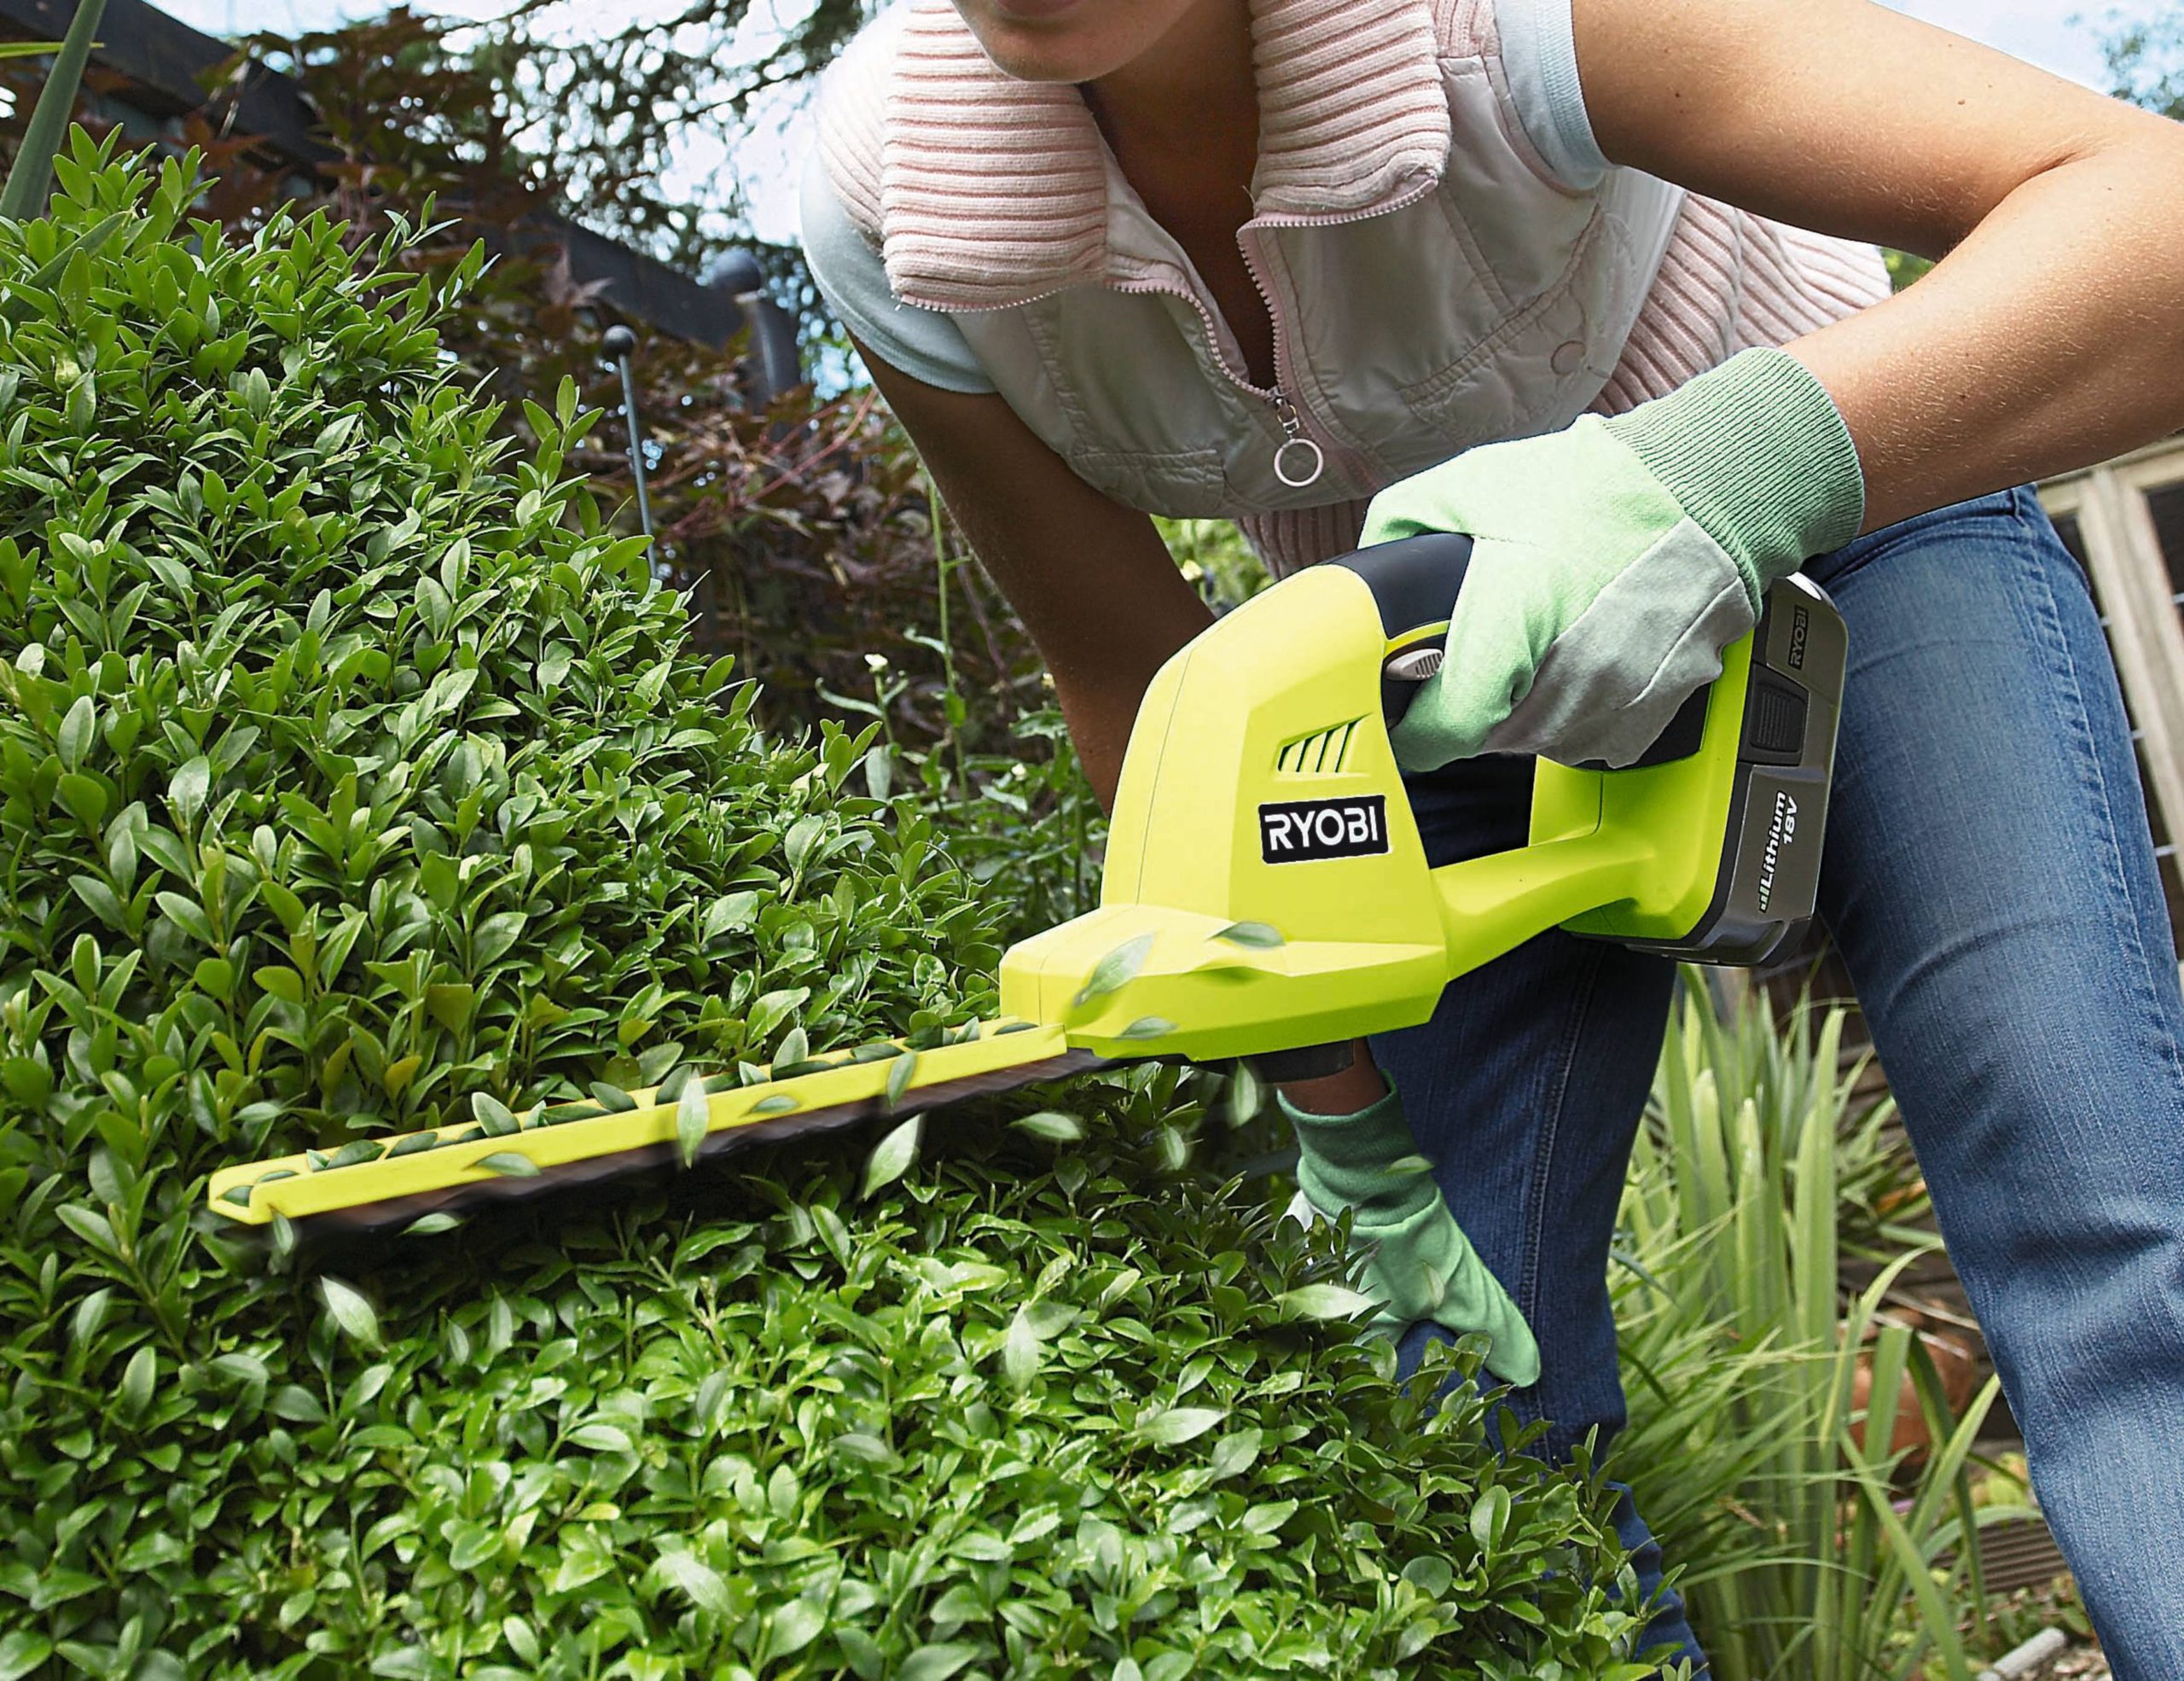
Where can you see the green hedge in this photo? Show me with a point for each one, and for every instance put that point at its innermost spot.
(352, 774)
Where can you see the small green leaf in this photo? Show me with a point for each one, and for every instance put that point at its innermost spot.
(1051, 1125)
(1258, 934)
(937, 1662)
(21, 1653)
(1020, 1350)
(1489, 1516)
(1246, 1096)
(692, 1110)
(612, 1098)
(187, 790)
(356, 1152)
(1147, 1028)
(278, 980)
(495, 1119)
(1236, 1453)
(898, 1077)
(451, 1003)
(698, 1581)
(1269, 1515)
(780, 1103)
(893, 1156)
(1177, 1425)
(350, 1311)
(426, 1224)
(137, 1381)
(508, 1164)
(795, 1625)
(1409, 1166)
(1323, 1301)
(85, 797)
(803, 834)
(1116, 969)
(74, 739)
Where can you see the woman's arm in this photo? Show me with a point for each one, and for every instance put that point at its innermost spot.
(1091, 579)
(2051, 334)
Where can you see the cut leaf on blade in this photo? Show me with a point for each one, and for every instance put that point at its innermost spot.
(426, 1225)
(508, 1165)
(892, 1157)
(780, 1103)
(692, 1111)
(1147, 1028)
(1246, 1096)
(1258, 934)
(898, 1077)
(1116, 969)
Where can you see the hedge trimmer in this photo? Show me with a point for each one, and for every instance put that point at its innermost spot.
(1265, 893)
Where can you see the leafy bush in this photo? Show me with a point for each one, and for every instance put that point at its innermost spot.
(351, 770)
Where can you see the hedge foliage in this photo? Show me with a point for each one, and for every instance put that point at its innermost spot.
(350, 771)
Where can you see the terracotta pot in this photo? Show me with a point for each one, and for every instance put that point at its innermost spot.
(1956, 1361)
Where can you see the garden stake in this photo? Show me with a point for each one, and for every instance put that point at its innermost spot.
(1265, 895)
(619, 342)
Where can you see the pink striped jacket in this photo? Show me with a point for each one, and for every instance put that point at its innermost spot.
(1434, 281)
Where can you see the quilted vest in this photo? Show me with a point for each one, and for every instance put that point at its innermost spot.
(1432, 285)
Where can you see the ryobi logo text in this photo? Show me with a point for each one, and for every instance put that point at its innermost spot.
(1296, 831)
(1782, 831)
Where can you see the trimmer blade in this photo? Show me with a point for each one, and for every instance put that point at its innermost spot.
(407, 1181)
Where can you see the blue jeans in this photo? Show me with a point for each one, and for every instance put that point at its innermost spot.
(1990, 881)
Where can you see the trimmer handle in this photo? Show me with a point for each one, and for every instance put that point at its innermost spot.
(1415, 581)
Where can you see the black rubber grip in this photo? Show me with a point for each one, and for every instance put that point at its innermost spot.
(1414, 580)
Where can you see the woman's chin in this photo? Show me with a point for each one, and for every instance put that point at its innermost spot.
(1050, 40)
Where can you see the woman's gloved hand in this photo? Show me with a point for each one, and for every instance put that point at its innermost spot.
(1423, 1267)
(1614, 561)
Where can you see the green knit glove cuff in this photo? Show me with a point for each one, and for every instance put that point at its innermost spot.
(1757, 454)
(1343, 1161)
(1422, 1266)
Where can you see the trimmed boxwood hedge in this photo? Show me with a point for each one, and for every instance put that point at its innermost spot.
(353, 774)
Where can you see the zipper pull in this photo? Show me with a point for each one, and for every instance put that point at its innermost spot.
(1310, 461)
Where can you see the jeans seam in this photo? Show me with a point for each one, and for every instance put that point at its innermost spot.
(2148, 995)
(1542, 1165)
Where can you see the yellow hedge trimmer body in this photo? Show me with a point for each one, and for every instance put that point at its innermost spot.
(1265, 893)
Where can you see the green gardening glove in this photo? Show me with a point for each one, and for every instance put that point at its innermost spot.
(1614, 561)
(1422, 1266)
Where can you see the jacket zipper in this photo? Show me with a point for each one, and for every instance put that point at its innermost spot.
(1288, 412)
(1295, 419)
